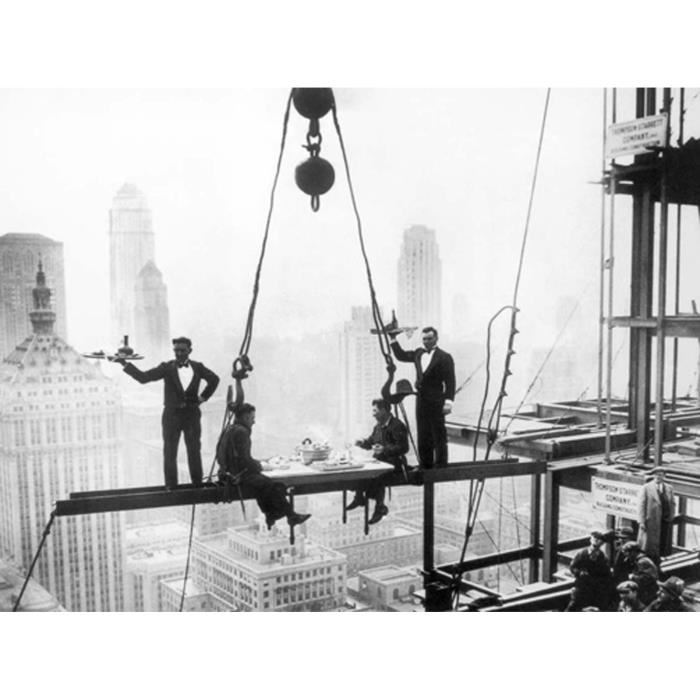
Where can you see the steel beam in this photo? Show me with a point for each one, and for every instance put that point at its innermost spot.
(551, 525)
(487, 560)
(303, 484)
(535, 510)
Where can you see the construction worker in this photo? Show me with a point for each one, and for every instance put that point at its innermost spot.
(670, 597)
(236, 462)
(628, 591)
(389, 443)
(592, 575)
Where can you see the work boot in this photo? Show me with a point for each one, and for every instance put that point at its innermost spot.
(297, 518)
(379, 512)
(356, 502)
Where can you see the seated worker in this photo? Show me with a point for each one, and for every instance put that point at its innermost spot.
(628, 592)
(593, 577)
(389, 443)
(235, 460)
(670, 597)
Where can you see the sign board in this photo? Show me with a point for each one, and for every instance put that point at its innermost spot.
(627, 138)
(615, 497)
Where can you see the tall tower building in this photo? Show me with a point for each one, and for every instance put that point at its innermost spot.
(363, 373)
(419, 279)
(19, 256)
(59, 432)
(152, 318)
(137, 292)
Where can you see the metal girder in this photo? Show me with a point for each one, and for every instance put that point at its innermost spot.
(487, 560)
(685, 326)
(308, 483)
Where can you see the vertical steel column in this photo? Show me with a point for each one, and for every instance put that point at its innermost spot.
(682, 511)
(676, 306)
(551, 526)
(601, 292)
(641, 289)
(535, 510)
(661, 297)
(428, 527)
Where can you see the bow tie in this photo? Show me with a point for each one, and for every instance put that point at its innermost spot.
(184, 364)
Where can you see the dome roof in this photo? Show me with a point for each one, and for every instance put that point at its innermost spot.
(45, 355)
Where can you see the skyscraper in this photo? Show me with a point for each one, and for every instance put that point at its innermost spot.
(152, 318)
(139, 306)
(363, 373)
(59, 432)
(419, 279)
(19, 256)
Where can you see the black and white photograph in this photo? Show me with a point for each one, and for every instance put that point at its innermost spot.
(411, 347)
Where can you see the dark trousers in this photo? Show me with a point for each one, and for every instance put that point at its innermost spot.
(271, 495)
(186, 420)
(377, 490)
(432, 435)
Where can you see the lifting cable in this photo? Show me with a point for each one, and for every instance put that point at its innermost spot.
(45, 534)
(243, 355)
(492, 428)
(382, 334)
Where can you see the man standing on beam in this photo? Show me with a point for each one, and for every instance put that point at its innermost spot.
(181, 413)
(435, 393)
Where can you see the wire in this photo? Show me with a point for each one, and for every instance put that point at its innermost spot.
(382, 335)
(187, 565)
(45, 534)
(248, 334)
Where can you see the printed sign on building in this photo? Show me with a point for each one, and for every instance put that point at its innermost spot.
(615, 497)
(636, 136)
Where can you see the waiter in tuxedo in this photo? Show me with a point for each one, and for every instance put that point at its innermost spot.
(181, 413)
(435, 393)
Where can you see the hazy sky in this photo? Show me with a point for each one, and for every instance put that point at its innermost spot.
(459, 161)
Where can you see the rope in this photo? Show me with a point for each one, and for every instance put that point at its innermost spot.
(546, 360)
(187, 565)
(47, 529)
(382, 335)
(469, 378)
(506, 370)
(248, 334)
(476, 491)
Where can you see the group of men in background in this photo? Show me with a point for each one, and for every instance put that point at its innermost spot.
(630, 581)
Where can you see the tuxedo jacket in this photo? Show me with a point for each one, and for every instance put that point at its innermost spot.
(174, 394)
(437, 383)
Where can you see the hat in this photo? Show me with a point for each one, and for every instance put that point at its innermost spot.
(598, 535)
(631, 547)
(624, 533)
(673, 585)
(628, 586)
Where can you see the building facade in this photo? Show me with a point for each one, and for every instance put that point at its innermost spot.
(20, 254)
(419, 301)
(363, 374)
(254, 569)
(60, 432)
